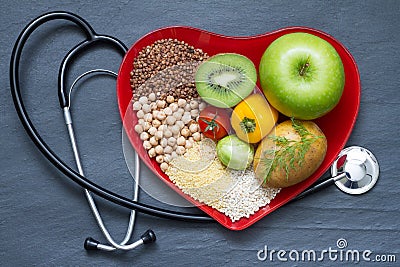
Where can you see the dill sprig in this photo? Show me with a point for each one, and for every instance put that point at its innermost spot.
(288, 152)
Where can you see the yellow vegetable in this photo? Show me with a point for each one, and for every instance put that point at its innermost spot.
(253, 118)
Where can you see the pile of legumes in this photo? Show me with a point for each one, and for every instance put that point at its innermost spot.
(167, 128)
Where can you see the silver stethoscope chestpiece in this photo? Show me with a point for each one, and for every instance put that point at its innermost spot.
(361, 169)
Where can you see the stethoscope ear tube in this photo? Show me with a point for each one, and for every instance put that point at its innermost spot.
(45, 149)
(63, 94)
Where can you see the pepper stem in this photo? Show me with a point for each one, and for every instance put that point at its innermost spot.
(248, 125)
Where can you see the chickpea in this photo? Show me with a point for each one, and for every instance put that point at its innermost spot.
(153, 106)
(161, 115)
(143, 100)
(167, 133)
(146, 125)
(155, 113)
(152, 97)
(147, 145)
(148, 117)
(159, 149)
(167, 158)
(153, 141)
(144, 136)
(156, 123)
(171, 141)
(194, 113)
(152, 130)
(181, 103)
(185, 132)
(174, 107)
(187, 107)
(180, 124)
(160, 159)
(171, 120)
(170, 99)
(194, 104)
(138, 128)
(177, 115)
(158, 135)
(137, 106)
(164, 166)
(160, 103)
(168, 149)
(140, 114)
(152, 152)
(181, 141)
(164, 143)
(168, 111)
(193, 127)
(175, 130)
(196, 136)
(186, 119)
(146, 108)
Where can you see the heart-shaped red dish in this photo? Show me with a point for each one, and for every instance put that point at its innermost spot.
(337, 124)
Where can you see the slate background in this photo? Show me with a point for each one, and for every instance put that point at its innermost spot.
(44, 218)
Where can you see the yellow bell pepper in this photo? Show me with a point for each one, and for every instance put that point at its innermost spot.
(253, 118)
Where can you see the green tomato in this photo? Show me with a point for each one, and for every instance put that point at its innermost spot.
(302, 75)
(235, 153)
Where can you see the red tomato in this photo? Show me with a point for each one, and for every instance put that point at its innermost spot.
(214, 122)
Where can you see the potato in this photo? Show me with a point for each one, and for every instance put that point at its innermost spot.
(295, 149)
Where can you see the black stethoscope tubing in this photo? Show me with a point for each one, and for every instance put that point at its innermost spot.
(91, 37)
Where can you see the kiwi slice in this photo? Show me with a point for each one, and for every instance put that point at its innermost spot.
(225, 79)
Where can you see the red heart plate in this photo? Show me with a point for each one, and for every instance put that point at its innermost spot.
(337, 124)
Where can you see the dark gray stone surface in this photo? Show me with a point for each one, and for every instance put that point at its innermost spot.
(44, 217)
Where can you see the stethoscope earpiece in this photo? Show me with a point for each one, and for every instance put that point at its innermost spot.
(91, 244)
(147, 237)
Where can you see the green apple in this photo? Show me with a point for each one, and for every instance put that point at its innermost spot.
(302, 75)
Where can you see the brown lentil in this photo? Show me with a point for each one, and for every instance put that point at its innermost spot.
(166, 68)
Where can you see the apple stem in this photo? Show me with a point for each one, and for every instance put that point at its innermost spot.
(304, 68)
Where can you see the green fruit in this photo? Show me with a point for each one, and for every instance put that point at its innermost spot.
(302, 75)
(235, 153)
(225, 79)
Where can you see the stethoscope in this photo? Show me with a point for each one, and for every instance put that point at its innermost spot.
(355, 171)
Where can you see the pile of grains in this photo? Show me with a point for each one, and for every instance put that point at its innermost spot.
(166, 67)
(237, 194)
